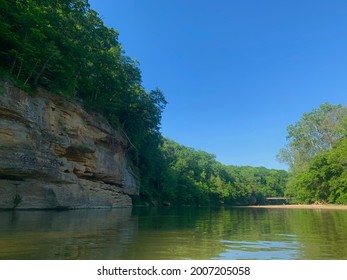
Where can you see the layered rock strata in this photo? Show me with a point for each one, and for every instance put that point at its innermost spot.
(53, 154)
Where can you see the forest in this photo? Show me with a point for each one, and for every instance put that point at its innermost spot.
(64, 47)
(192, 177)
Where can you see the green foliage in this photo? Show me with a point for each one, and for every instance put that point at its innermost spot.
(325, 178)
(192, 177)
(316, 153)
(315, 133)
(254, 184)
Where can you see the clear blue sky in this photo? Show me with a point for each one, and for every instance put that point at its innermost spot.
(235, 72)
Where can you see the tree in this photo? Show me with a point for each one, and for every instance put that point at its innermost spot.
(324, 179)
(316, 152)
(315, 133)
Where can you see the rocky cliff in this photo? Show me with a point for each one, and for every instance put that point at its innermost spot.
(53, 154)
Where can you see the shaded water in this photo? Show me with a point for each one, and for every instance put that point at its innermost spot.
(174, 233)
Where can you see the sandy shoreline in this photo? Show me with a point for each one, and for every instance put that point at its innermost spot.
(299, 206)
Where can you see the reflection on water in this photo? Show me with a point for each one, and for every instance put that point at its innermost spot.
(262, 250)
(174, 233)
(81, 234)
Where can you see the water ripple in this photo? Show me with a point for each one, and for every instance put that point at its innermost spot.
(262, 249)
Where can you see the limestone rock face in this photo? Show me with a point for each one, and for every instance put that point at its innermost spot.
(53, 154)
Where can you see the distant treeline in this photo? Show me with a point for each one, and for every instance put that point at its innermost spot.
(188, 176)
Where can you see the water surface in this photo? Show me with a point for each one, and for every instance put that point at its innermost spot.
(174, 233)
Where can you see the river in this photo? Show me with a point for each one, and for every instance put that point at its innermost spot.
(174, 233)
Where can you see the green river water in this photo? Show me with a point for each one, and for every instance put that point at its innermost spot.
(174, 233)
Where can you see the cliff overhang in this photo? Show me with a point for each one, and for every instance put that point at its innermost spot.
(54, 154)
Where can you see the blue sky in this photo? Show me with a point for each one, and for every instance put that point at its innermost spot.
(235, 73)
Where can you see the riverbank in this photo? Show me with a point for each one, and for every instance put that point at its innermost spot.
(299, 206)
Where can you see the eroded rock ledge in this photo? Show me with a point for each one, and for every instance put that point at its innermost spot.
(53, 154)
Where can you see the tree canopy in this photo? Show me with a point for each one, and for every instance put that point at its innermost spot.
(316, 153)
(193, 177)
(316, 132)
(324, 180)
